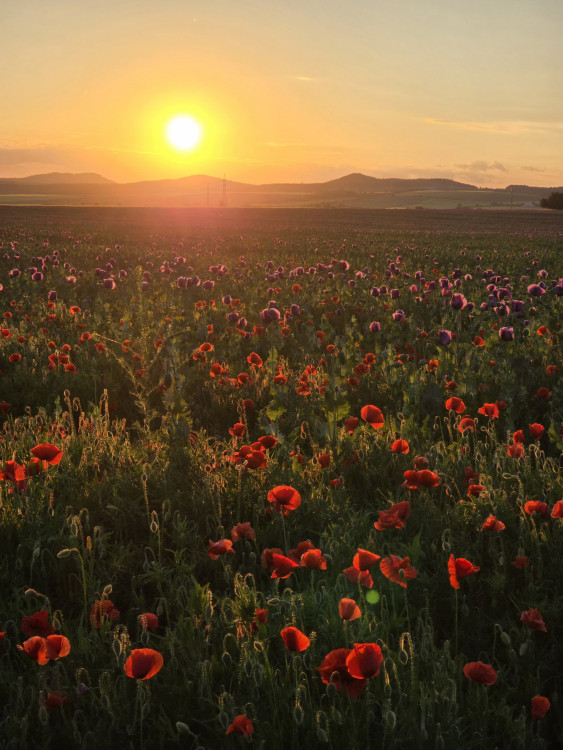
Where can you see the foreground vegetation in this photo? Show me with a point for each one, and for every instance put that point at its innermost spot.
(310, 463)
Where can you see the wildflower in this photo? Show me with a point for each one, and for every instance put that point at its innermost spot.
(351, 423)
(324, 460)
(297, 553)
(477, 671)
(373, 416)
(284, 498)
(459, 568)
(36, 648)
(540, 706)
(222, 547)
(520, 562)
(466, 423)
(294, 639)
(148, 620)
(489, 410)
(283, 566)
(254, 359)
(237, 430)
(518, 436)
(493, 524)
(143, 663)
(364, 559)
(333, 670)
(394, 517)
(416, 480)
(364, 660)
(313, 558)
(37, 624)
(542, 392)
(536, 430)
(53, 700)
(241, 725)
(455, 404)
(534, 620)
(58, 646)
(400, 446)
(348, 609)
(474, 490)
(102, 611)
(47, 452)
(397, 569)
(242, 531)
(557, 510)
(267, 556)
(267, 441)
(537, 507)
(444, 337)
(355, 575)
(516, 450)
(13, 358)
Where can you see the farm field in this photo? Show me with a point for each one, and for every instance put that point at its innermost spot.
(289, 478)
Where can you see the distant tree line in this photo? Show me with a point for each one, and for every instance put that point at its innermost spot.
(555, 200)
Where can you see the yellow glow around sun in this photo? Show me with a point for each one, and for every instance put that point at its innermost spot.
(183, 132)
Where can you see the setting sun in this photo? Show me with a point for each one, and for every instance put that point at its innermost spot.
(183, 132)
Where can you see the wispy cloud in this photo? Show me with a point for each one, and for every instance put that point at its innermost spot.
(509, 127)
(482, 166)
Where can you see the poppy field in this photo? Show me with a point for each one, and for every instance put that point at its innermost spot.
(281, 479)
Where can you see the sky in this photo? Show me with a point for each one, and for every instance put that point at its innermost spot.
(285, 90)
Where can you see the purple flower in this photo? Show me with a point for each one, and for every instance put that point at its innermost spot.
(458, 301)
(535, 290)
(398, 315)
(375, 327)
(109, 284)
(506, 334)
(444, 337)
(207, 285)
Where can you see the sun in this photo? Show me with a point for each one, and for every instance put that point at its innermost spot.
(183, 132)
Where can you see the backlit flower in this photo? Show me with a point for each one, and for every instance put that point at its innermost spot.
(477, 671)
(284, 499)
(143, 663)
(222, 547)
(493, 524)
(373, 416)
(47, 452)
(37, 624)
(242, 531)
(394, 517)
(396, 569)
(294, 639)
(348, 609)
(241, 725)
(489, 410)
(459, 568)
(102, 611)
(364, 660)
(333, 669)
(416, 480)
(400, 446)
(364, 559)
(537, 507)
(540, 706)
(455, 404)
(534, 620)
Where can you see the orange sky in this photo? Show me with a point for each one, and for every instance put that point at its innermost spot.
(285, 90)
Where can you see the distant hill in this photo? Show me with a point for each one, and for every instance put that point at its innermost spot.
(350, 191)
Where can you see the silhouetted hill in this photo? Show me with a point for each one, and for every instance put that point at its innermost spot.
(64, 178)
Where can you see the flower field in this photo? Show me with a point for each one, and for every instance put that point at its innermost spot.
(290, 479)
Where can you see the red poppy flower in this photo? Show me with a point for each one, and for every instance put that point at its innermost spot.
(415, 480)
(364, 559)
(220, 548)
(551, 369)
(478, 341)
(267, 441)
(540, 706)
(493, 524)
(13, 358)
(351, 423)
(459, 568)
(474, 490)
(297, 553)
(37, 624)
(534, 620)
(148, 620)
(324, 460)
(348, 609)
(36, 649)
(254, 359)
(294, 639)
(400, 446)
(241, 725)
(520, 562)
(284, 499)
(237, 430)
(477, 671)
(333, 669)
(282, 566)
(542, 392)
(53, 700)
(516, 450)
(267, 556)
(373, 416)
(518, 437)
(47, 452)
(394, 517)
(455, 404)
(489, 410)
(5, 407)
(261, 616)
(102, 610)
(396, 569)
(242, 531)
(314, 559)
(557, 510)
(57, 646)
(143, 663)
(355, 575)
(536, 430)
(537, 507)
(364, 661)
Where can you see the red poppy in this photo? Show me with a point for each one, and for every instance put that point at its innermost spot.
(284, 498)
(237, 430)
(466, 423)
(542, 392)
(493, 524)
(333, 669)
(516, 450)
(557, 510)
(57, 646)
(355, 575)
(254, 359)
(143, 663)
(474, 490)
(297, 553)
(415, 480)
(36, 649)
(394, 517)
(5, 407)
(314, 559)
(536, 430)
(364, 559)
(373, 416)
(294, 639)
(261, 616)
(282, 566)
(477, 671)
(37, 624)
(242, 531)
(267, 441)
(537, 507)
(220, 548)
(478, 341)
(351, 423)
(148, 620)
(396, 569)
(489, 410)
(241, 725)
(324, 460)
(540, 706)
(534, 620)
(400, 446)
(364, 661)
(518, 437)
(102, 611)
(14, 357)
(267, 556)
(520, 562)
(47, 452)
(455, 404)
(53, 700)
(348, 609)
(459, 568)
